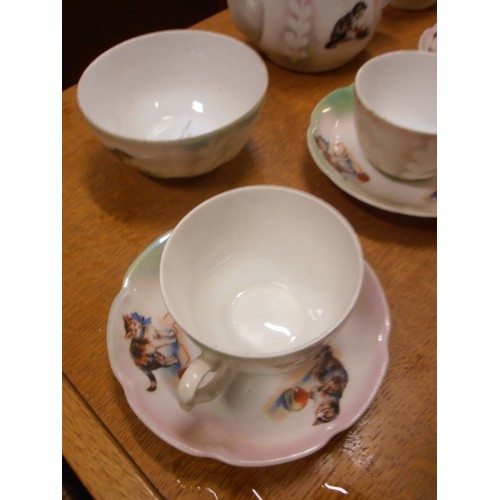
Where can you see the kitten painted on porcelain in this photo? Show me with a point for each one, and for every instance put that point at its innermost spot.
(348, 27)
(145, 342)
(331, 380)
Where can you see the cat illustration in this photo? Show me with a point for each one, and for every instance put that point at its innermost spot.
(331, 379)
(145, 342)
(348, 27)
(341, 160)
(323, 384)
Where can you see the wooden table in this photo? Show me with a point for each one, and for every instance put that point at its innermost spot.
(111, 212)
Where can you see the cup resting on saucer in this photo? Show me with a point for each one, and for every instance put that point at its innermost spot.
(395, 112)
(258, 278)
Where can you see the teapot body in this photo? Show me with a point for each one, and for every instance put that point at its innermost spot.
(308, 35)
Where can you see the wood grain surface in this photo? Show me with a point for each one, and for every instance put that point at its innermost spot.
(111, 212)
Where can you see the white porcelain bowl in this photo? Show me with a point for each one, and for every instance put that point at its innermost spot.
(174, 103)
(395, 113)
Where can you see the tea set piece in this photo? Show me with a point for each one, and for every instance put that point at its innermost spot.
(334, 146)
(395, 113)
(308, 35)
(257, 420)
(175, 103)
(253, 344)
(261, 298)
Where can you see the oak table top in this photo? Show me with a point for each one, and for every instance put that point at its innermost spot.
(111, 212)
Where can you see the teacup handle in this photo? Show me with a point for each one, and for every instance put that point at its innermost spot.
(189, 391)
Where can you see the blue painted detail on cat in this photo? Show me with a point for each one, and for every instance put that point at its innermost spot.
(145, 344)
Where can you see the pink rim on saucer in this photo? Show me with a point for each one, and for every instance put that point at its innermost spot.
(257, 420)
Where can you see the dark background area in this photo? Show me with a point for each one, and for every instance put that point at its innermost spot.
(89, 27)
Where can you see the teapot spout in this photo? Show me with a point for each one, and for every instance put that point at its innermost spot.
(248, 15)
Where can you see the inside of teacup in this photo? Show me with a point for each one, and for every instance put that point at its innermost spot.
(401, 88)
(259, 273)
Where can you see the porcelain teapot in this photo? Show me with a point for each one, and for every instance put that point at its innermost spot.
(308, 35)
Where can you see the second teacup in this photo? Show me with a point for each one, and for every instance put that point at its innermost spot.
(395, 113)
(258, 278)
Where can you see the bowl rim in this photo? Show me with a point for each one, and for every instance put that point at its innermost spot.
(183, 140)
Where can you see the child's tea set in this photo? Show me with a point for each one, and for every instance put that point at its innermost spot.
(245, 324)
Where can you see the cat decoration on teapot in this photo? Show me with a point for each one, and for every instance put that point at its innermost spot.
(308, 35)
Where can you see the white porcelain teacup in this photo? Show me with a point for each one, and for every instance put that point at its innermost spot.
(258, 278)
(395, 113)
(308, 35)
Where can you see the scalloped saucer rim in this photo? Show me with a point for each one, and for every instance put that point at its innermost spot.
(333, 144)
(244, 426)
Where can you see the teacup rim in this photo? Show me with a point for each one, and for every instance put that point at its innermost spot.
(370, 109)
(328, 333)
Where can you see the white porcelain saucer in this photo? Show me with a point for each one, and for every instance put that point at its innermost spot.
(334, 146)
(257, 420)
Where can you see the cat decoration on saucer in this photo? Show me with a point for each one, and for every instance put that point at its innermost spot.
(251, 423)
(323, 384)
(334, 145)
(152, 348)
(341, 159)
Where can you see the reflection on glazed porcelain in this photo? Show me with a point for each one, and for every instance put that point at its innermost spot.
(197, 106)
(274, 315)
